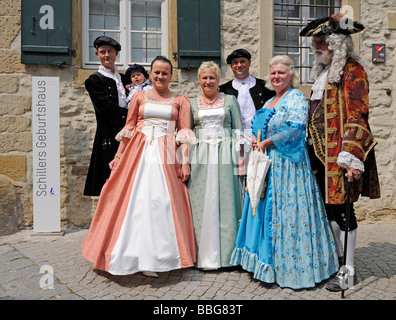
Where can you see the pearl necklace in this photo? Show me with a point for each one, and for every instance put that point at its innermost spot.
(211, 101)
(161, 94)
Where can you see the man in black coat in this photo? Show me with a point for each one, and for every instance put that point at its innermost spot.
(250, 92)
(106, 87)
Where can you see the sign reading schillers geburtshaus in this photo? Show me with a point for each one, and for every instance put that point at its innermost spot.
(46, 155)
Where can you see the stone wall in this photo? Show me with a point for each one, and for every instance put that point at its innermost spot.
(15, 121)
(239, 24)
(379, 20)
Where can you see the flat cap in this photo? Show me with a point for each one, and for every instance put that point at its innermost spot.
(105, 40)
(336, 24)
(238, 53)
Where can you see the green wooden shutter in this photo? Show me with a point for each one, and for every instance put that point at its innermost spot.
(46, 31)
(198, 32)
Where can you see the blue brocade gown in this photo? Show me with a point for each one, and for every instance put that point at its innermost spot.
(289, 240)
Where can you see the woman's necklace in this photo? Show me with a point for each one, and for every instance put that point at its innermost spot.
(277, 98)
(281, 94)
(209, 101)
(162, 94)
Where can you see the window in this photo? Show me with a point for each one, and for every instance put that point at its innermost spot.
(290, 17)
(139, 26)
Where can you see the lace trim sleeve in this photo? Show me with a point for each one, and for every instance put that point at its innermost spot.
(124, 134)
(243, 140)
(186, 136)
(348, 159)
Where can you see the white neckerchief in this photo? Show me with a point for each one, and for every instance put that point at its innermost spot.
(248, 110)
(138, 87)
(319, 86)
(120, 87)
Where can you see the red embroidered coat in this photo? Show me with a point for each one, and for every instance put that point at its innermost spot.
(340, 123)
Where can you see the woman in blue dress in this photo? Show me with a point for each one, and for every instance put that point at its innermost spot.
(288, 241)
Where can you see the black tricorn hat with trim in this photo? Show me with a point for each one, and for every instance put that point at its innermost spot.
(336, 24)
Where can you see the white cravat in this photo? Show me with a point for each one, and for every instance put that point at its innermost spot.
(248, 110)
(319, 86)
(122, 102)
(138, 87)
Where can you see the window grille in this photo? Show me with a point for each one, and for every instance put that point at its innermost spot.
(290, 17)
(139, 26)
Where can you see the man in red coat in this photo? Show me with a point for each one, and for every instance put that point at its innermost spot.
(341, 144)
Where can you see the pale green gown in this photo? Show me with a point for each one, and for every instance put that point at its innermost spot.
(214, 187)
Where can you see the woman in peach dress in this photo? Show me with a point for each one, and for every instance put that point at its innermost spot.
(143, 219)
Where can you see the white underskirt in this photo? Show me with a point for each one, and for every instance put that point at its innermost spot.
(147, 239)
(209, 244)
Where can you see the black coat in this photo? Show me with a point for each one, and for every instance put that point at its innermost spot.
(110, 119)
(260, 93)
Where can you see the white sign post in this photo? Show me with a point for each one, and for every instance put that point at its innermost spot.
(46, 155)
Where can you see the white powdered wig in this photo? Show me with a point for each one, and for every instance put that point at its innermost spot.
(342, 47)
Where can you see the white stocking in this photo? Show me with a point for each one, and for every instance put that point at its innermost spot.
(352, 235)
(336, 235)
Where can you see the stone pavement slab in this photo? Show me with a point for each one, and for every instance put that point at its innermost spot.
(52, 268)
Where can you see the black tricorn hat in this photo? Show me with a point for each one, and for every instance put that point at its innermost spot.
(336, 24)
(238, 53)
(105, 40)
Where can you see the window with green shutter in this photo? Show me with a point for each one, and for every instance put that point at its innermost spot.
(46, 32)
(198, 32)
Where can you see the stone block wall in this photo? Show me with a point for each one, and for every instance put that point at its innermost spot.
(15, 120)
(379, 18)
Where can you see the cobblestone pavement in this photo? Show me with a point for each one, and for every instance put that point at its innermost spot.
(27, 262)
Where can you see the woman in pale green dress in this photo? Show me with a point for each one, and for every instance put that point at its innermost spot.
(214, 187)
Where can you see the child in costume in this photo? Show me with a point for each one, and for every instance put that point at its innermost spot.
(139, 80)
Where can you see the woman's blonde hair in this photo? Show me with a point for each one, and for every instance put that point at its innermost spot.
(209, 65)
(286, 61)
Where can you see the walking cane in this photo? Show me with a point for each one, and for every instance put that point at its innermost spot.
(347, 214)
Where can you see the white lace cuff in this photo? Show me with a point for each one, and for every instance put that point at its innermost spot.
(186, 136)
(124, 134)
(242, 143)
(243, 140)
(348, 159)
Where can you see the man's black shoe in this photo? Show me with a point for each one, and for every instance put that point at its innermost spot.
(342, 281)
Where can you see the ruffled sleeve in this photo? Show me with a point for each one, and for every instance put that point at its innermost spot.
(348, 159)
(290, 143)
(186, 136)
(242, 140)
(184, 133)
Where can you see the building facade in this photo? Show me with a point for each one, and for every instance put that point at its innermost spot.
(211, 30)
